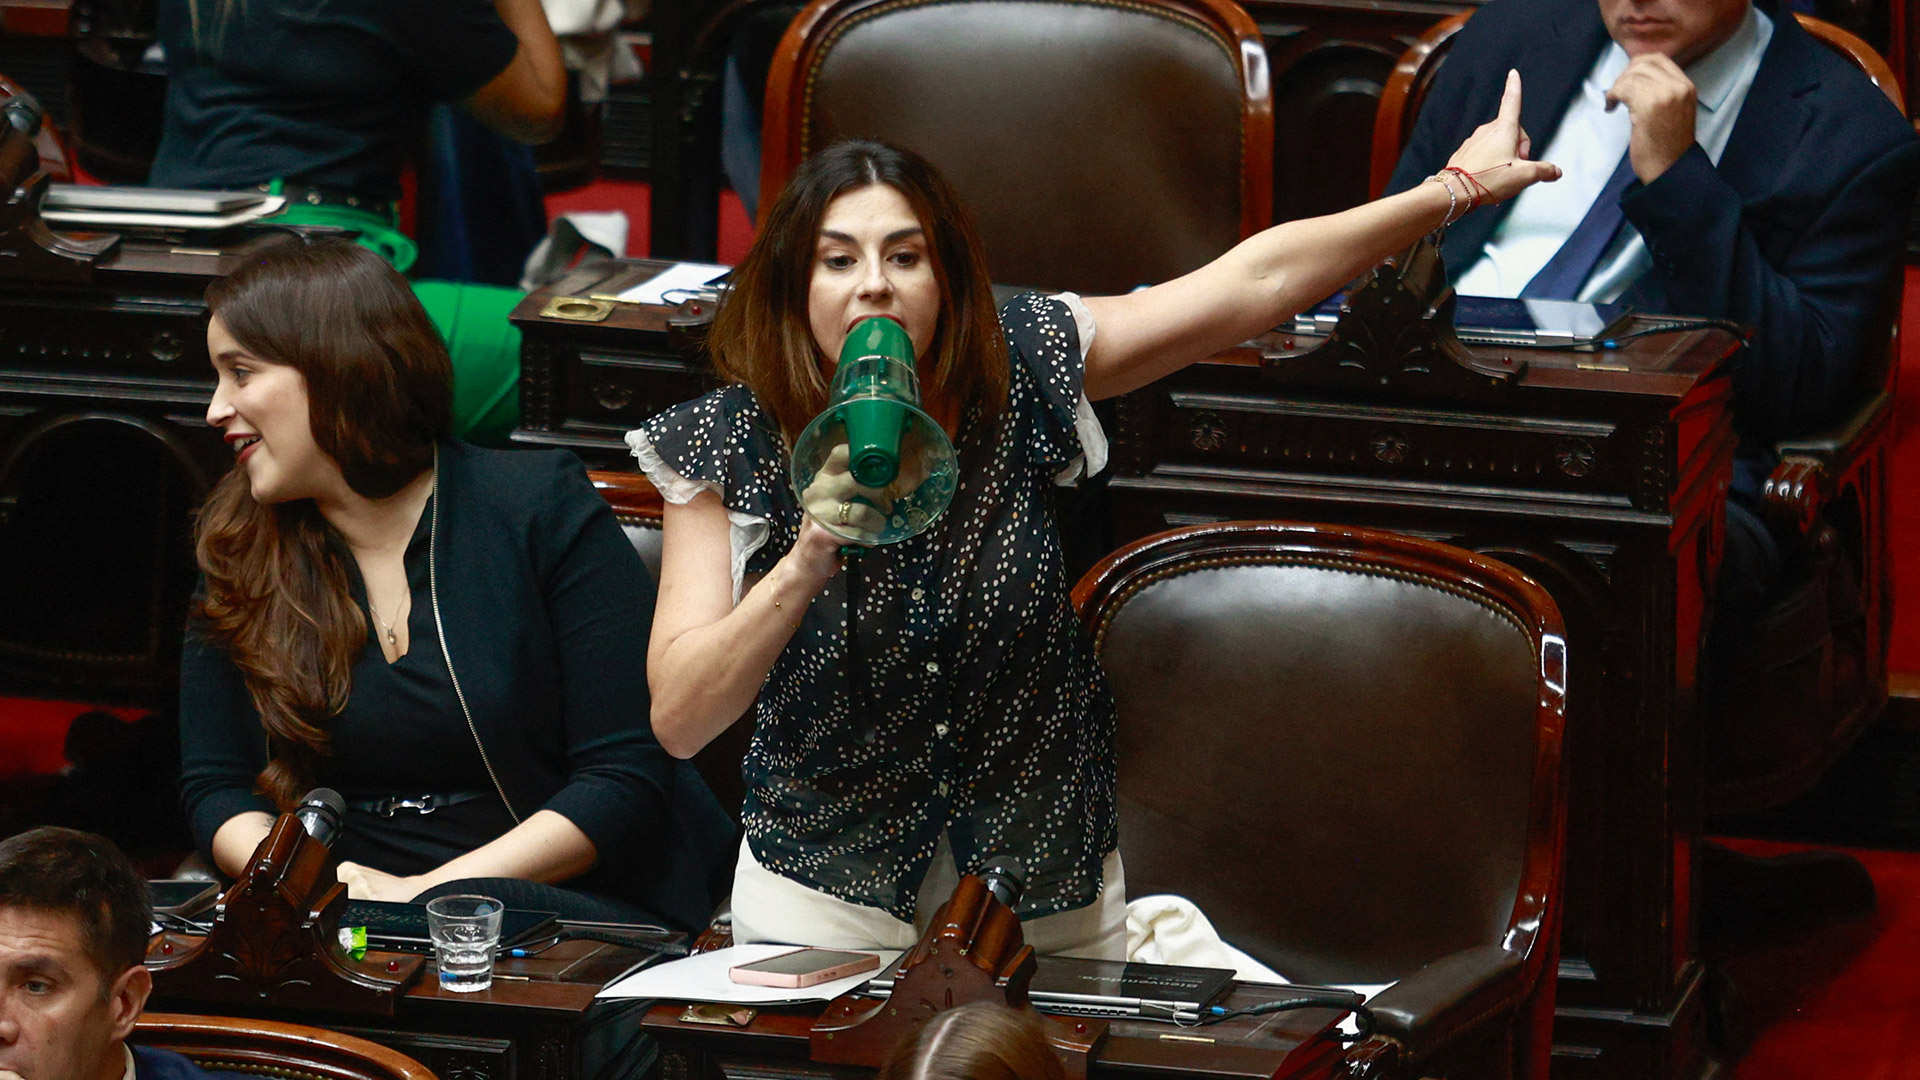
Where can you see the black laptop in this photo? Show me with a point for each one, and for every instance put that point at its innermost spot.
(1111, 988)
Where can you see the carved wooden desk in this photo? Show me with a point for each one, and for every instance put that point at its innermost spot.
(590, 369)
(1603, 476)
(1277, 1046)
(529, 1025)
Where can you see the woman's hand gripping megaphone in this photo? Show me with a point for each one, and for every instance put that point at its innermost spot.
(850, 509)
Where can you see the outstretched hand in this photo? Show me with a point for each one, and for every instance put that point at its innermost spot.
(1496, 154)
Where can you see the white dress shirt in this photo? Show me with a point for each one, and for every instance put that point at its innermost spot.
(1588, 146)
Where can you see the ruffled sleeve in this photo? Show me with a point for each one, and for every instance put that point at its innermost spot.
(724, 443)
(1049, 337)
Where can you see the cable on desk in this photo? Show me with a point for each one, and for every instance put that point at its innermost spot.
(1607, 344)
(1330, 999)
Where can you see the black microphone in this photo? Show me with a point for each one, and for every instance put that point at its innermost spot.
(320, 813)
(1005, 878)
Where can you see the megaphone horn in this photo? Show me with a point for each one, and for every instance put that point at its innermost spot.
(885, 468)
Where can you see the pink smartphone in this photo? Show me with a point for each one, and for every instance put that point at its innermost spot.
(804, 967)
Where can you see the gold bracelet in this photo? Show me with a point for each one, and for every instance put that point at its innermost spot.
(782, 611)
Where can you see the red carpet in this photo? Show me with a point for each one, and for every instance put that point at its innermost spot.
(1842, 1000)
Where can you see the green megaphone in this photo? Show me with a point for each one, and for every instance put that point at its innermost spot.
(874, 468)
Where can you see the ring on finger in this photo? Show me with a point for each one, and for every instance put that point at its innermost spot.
(846, 508)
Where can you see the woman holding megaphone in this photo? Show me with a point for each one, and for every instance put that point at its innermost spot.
(936, 704)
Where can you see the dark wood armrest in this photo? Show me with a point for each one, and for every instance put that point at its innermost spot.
(1446, 998)
(630, 494)
(1811, 468)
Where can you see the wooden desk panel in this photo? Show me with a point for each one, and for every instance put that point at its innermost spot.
(584, 385)
(1277, 1046)
(527, 1026)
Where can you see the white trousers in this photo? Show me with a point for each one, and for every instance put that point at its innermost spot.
(771, 908)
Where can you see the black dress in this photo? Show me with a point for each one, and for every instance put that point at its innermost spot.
(969, 701)
(547, 610)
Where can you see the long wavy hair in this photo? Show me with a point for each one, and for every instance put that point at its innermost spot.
(379, 397)
(761, 335)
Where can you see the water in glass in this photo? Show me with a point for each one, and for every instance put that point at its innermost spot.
(466, 930)
(465, 953)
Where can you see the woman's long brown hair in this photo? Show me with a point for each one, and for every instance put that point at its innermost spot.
(379, 397)
(761, 335)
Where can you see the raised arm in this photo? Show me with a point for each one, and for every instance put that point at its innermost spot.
(1276, 274)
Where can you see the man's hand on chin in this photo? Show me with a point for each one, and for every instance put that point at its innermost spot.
(1660, 99)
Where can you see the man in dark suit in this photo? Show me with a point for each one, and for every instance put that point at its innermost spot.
(1764, 179)
(73, 977)
(1718, 161)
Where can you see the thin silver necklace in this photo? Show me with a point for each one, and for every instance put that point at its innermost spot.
(386, 625)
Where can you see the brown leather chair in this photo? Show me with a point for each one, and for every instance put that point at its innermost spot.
(1344, 746)
(227, 1046)
(1100, 144)
(1820, 671)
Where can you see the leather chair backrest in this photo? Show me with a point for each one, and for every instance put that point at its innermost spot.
(235, 1046)
(1335, 754)
(1099, 144)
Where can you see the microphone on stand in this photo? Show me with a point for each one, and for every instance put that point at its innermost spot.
(1005, 877)
(321, 813)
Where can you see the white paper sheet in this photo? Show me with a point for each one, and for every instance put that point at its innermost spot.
(704, 978)
(676, 278)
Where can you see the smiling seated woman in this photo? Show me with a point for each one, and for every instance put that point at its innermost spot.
(451, 637)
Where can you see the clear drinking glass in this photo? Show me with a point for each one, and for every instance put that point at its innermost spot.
(466, 933)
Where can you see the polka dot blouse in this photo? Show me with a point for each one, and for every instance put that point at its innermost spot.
(938, 684)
